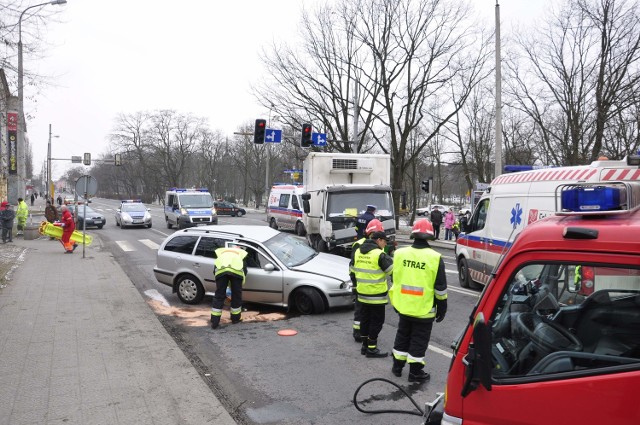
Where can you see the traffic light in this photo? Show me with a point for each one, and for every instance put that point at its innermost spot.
(117, 159)
(87, 159)
(306, 141)
(425, 185)
(258, 132)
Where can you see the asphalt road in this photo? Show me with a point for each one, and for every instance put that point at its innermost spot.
(264, 378)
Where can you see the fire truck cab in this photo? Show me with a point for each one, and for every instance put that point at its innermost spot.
(555, 335)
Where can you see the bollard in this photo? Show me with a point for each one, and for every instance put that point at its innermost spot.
(30, 232)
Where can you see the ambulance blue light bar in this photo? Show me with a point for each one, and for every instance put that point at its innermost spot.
(195, 189)
(128, 201)
(597, 198)
(520, 168)
(594, 199)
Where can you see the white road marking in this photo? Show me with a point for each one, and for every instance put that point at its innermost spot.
(148, 242)
(440, 351)
(125, 246)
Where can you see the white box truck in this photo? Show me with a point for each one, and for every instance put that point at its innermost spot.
(515, 200)
(338, 188)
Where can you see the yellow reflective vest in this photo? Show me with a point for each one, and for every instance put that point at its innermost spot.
(371, 279)
(230, 260)
(22, 212)
(414, 275)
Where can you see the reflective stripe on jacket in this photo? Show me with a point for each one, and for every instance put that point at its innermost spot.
(230, 260)
(371, 279)
(414, 275)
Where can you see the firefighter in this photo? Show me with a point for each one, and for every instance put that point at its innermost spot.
(231, 269)
(418, 295)
(371, 267)
(374, 225)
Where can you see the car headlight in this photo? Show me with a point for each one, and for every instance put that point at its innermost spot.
(213, 211)
(126, 217)
(183, 211)
(147, 216)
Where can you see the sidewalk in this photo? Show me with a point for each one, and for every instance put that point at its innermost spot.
(79, 345)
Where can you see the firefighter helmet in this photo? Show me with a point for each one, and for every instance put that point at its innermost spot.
(422, 229)
(374, 225)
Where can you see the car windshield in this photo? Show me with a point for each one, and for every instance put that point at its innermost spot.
(133, 207)
(196, 200)
(290, 250)
(81, 210)
(354, 203)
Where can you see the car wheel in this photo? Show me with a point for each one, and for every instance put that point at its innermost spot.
(168, 223)
(463, 272)
(189, 289)
(300, 229)
(308, 301)
(273, 224)
(239, 214)
(117, 223)
(149, 226)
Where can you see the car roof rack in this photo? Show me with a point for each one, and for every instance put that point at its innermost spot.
(196, 229)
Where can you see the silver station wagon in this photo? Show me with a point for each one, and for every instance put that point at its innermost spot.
(282, 269)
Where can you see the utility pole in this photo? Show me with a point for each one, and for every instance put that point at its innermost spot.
(498, 169)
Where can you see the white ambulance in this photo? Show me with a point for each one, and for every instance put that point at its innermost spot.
(515, 200)
(284, 209)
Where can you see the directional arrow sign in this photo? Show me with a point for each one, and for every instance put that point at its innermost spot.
(319, 139)
(273, 136)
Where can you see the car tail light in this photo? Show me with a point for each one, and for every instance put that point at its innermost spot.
(587, 280)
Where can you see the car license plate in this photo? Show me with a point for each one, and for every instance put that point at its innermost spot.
(137, 221)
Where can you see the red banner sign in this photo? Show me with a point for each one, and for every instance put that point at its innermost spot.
(12, 142)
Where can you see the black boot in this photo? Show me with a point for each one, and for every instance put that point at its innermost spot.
(363, 349)
(236, 318)
(375, 353)
(417, 373)
(356, 335)
(215, 321)
(396, 369)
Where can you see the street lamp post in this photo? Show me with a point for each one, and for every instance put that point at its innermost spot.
(49, 177)
(21, 125)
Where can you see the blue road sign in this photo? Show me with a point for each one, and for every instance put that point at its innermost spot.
(273, 136)
(319, 139)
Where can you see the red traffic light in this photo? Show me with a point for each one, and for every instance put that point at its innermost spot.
(259, 131)
(305, 140)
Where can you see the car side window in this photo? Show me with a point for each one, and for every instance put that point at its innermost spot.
(207, 247)
(284, 201)
(294, 203)
(479, 216)
(181, 244)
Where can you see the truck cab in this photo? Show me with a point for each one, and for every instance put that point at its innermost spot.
(555, 335)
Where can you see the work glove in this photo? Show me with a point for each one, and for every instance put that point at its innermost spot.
(441, 309)
(61, 224)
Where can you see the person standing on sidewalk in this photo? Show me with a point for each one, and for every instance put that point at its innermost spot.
(436, 220)
(22, 212)
(68, 226)
(371, 267)
(6, 218)
(449, 221)
(230, 269)
(418, 295)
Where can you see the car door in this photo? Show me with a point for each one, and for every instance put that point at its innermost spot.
(205, 258)
(264, 283)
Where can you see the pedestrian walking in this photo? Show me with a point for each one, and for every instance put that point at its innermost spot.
(449, 221)
(418, 295)
(22, 212)
(371, 267)
(59, 200)
(33, 198)
(374, 225)
(51, 214)
(68, 226)
(436, 220)
(363, 220)
(230, 270)
(6, 219)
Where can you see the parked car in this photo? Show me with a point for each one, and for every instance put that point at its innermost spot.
(426, 211)
(282, 269)
(132, 213)
(89, 216)
(228, 208)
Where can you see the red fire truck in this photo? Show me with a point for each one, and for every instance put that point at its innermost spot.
(555, 335)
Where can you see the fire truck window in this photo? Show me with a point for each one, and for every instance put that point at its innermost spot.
(567, 318)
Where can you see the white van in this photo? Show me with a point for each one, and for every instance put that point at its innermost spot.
(189, 207)
(513, 201)
(284, 210)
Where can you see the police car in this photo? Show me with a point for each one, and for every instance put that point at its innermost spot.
(555, 335)
(132, 212)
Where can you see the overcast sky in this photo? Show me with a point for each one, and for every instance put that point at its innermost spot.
(193, 56)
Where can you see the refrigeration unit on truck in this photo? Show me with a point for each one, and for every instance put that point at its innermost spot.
(338, 188)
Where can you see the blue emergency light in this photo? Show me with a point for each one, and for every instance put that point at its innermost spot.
(195, 189)
(594, 199)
